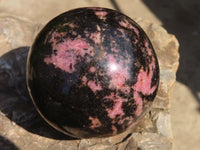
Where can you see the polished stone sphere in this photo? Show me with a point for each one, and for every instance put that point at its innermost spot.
(92, 72)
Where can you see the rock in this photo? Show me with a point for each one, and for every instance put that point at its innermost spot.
(94, 72)
(152, 141)
(15, 32)
(163, 124)
(21, 124)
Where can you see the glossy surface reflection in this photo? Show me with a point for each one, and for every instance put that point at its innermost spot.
(92, 72)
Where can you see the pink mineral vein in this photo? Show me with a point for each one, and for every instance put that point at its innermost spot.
(126, 89)
(143, 85)
(92, 69)
(149, 51)
(95, 122)
(117, 108)
(101, 14)
(71, 25)
(69, 52)
(111, 96)
(144, 80)
(84, 80)
(96, 37)
(139, 103)
(93, 86)
(117, 73)
(126, 24)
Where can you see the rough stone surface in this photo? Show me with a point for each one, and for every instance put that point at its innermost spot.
(22, 127)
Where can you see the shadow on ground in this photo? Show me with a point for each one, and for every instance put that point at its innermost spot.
(15, 102)
(5, 144)
(181, 17)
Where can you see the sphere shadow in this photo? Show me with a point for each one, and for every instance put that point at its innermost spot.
(5, 144)
(15, 102)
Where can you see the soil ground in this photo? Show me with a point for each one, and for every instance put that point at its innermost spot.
(179, 17)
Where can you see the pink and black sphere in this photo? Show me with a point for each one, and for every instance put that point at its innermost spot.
(92, 72)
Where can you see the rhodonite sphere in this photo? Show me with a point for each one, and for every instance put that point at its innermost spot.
(92, 72)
